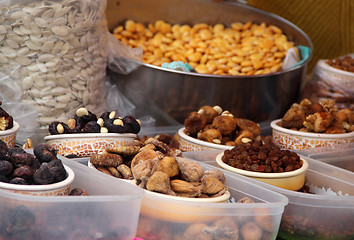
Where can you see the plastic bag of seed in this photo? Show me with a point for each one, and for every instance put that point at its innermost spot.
(58, 49)
(332, 79)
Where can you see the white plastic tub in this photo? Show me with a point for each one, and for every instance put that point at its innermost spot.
(311, 216)
(111, 211)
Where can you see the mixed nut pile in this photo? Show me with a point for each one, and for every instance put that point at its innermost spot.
(213, 125)
(157, 167)
(322, 117)
(6, 120)
(85, 121)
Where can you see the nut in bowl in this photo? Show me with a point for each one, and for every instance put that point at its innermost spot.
(296, 140)
(211, 128)
(265, 163)
(309, 125)
(189, 144)
(86, 134)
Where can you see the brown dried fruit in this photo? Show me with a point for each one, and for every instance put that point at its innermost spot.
(218, 174)
(194, 123)
(143, 156)
(180, 186)
(159, 182)
(211, 185)
(143, 170)
(106, 159)
(114, 172)
(224, 228)
(78, 192)
(251, 231)
(211, 135)
(263, 218)
(226, 124)
(24, 172)
(125, 171)
(45, 152)
(158, 144)
(208, 112)
(197, 231)
(5, 167)
(245, 124)
(124, 150)
(191, 171)
(169, 166)
(43, 175)
(104, 170)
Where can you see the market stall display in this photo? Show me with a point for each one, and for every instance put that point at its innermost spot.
(166, 93)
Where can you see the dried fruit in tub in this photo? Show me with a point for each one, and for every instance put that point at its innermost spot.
(26, 168)
(6, 120)
(261, 157)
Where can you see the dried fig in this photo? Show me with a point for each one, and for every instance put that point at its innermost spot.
(169, 166)
(159, 182)
(191, 171)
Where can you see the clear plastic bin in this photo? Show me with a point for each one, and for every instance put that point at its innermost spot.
(111, 211)
(171, 219)
(311, 216)
(337, 155)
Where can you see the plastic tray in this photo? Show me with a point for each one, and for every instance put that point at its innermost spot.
(311, 216)
(111, 211)
(337, 155)
(216, 219)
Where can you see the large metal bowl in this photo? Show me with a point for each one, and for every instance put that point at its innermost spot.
(170, 95)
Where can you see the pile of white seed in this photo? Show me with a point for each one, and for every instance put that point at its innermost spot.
(55, 51)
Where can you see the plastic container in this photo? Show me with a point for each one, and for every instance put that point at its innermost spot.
(163, 218)
(111, 211)
(341, 155)
(311, 216)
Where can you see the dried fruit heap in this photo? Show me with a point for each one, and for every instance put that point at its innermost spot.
(85, 121)
(157, 167)
(257, 156)
(20, 167)
(6, 121)
(213, 125)
(320, 117)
